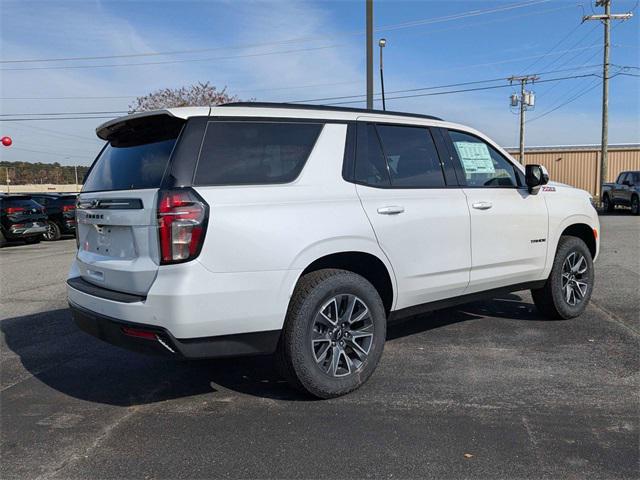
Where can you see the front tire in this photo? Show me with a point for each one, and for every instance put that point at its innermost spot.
(333, 335)
(635, 205)
(568, 289)
(607, 204)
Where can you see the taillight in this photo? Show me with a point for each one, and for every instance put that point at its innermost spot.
(12, 210)
(182, 218)
(68, 208)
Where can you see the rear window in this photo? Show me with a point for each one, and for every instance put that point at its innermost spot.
(254, 153)
(19, 202)
(130, 167)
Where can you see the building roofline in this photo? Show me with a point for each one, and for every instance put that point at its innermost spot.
(588, 147)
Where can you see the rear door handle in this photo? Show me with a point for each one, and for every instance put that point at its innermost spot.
(482, 205)
(391, 210)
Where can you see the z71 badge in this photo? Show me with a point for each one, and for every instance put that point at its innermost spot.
(548, 189)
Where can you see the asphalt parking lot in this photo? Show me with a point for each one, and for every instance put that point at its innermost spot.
(489, 390)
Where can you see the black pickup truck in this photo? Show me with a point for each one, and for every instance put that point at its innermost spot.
(625, 191)
(21, 218)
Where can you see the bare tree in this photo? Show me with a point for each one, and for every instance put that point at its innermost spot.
(200, 94)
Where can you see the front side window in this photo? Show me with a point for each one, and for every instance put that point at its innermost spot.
(634, 177)
(254, 153)
(482, 164)
(411, 156)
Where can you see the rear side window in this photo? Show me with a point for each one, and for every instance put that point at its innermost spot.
(411, 156)
(254, 153)
(130, 167)
(371, 168)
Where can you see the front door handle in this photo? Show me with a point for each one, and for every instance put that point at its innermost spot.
(482, 205)
(391, 210)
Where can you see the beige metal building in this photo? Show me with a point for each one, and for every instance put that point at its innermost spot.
(580, 165)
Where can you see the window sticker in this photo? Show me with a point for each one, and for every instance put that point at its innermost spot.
(475, 157)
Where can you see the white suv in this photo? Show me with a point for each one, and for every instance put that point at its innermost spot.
(258, 228)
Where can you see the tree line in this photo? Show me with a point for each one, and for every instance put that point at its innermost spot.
(27, 173)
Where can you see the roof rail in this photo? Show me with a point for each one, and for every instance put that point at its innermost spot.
(327, 108)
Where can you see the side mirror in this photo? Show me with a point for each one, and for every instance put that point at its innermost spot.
(627, 183)
(536, 176)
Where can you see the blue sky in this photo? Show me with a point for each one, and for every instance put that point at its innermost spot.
(302, 50)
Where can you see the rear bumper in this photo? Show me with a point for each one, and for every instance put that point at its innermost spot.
(35, 228)
(159, 341)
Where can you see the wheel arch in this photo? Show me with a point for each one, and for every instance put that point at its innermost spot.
(366, 264)
(585, 233)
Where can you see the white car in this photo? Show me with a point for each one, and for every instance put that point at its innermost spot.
(256, 228)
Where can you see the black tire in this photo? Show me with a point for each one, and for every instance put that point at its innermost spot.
(53, 232)
(607, 204)
(3, 241)
(32, 240)
(551, 299)
(297, 358)
(635, 205)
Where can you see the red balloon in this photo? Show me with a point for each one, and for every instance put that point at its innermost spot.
(6, 141)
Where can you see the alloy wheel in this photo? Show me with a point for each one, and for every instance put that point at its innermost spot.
(574, 278)
(50, 233)
(342, 335)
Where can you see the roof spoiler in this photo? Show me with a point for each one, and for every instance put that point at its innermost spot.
(141, 127)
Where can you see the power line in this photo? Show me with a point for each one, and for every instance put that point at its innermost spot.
(167, 62)
(466, 90)
(552, 48)
(59, 113)
(427, 21)
(575, 97)
(443, 86)
(572, 48)
(47, 131)
(50, 118)
(91, 115)
(48, 153)
(120, 112)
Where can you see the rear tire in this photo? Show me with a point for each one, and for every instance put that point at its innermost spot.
(635, 205)
(607, 204)
(334, 333)
(3, 240)
(568, 289)
(53, 231)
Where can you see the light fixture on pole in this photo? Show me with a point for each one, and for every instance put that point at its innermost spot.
(382, 43)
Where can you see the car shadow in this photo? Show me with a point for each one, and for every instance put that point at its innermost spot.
(54, 351)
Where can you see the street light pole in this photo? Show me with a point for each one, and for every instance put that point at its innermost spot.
(382, 43)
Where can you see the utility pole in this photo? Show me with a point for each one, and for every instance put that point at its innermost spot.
(8, 181)
(75, 167)
(606, 20)
(369, 53)
(526, 99)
